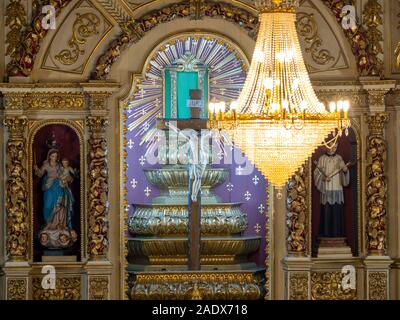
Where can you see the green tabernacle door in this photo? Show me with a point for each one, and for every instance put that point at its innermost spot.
(185, 82)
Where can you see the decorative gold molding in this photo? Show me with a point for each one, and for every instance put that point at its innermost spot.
(377, 285)
(98, 189)
(98, 287)
(14, 101)
(308, 28)
(196, 9)
(328, 286)
(46, 101)
(98, 100)
(376, 184)
(298, 285)
(17, 289)
(373, 19)
(17, 246)
(16, 21)
(84, 27)
(67, 288)
(215, 286)
(297, 212)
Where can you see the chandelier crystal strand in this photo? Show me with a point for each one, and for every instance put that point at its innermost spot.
(278, 121)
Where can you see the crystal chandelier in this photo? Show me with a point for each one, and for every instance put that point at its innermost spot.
(278, 121)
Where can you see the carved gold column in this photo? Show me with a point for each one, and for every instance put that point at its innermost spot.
(377, 263)
(17, 244)
(99, 269)
(297, 213)
(98, 189)
(297, 264)
(376, 184)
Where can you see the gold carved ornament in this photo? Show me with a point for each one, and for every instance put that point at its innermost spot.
(187, 286)
(308, 28)
(376, 184)
(83, 28)
(98, 288)
(67, 288)
(373, 19)
(134, 30)
(297, 208)
(55, 101)
(16, 289)
(328, 286)
(16, 192)
(23, 59)
(298, 286)
(16, 21)
(98, 188)
(377, 285)
(358, 38)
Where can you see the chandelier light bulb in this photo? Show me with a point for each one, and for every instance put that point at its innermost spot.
(303, 106)
(346, 106)
(233, 105)
(222, 106)
(268, 83)
(340, 105)
(285, 105)
(258, 56)
(332, 106)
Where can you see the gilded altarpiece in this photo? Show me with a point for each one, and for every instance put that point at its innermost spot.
(60, 158)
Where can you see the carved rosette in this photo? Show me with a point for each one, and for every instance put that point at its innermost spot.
(376, 184)
(98, 189)
(297, 209)
(16, 194)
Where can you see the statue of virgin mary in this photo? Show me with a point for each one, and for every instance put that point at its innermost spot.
(57, 204)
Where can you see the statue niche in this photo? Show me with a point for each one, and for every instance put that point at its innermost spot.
(335, 194)
(56, 193)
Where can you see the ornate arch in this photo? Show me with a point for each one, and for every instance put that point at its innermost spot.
(135, 30)
(23, 59)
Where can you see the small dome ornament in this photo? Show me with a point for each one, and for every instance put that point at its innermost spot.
(277, 5)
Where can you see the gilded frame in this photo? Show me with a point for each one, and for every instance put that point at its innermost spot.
(33, 127)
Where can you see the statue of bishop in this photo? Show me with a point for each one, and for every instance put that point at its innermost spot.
(330, 176)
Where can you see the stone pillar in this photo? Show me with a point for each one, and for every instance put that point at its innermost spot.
(297, 264)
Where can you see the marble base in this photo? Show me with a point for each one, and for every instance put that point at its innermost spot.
(335, 252)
